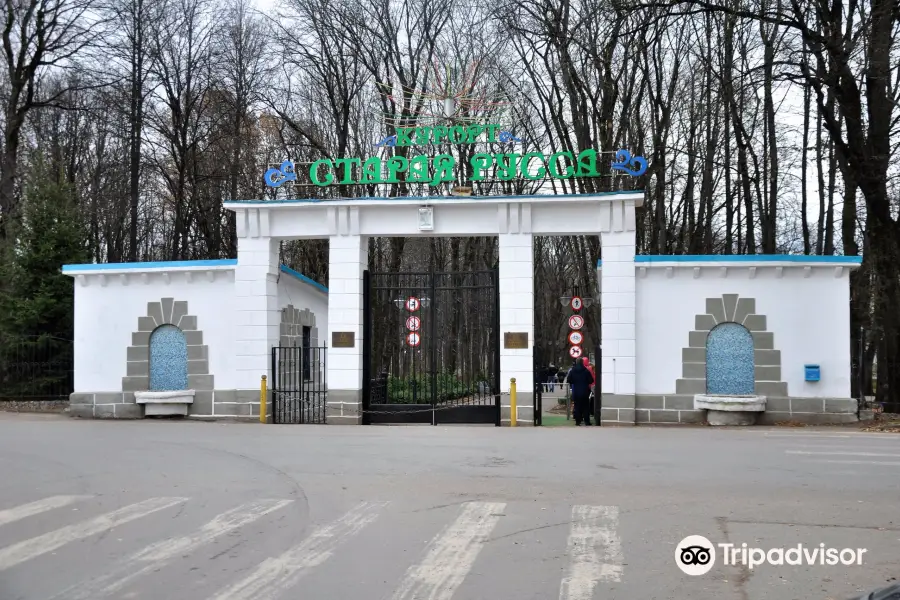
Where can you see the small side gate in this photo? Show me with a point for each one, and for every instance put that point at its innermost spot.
(298, 384)
(431, 348)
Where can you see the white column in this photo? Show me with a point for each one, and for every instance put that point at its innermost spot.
(516, 287)
(348, 257)
(257, 314)
(617, 299)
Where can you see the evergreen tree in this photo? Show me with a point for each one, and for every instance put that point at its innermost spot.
(37, 300)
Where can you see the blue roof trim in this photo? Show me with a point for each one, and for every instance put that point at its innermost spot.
(739, 258)
(431, 198)
(224, 262)
(304, 278)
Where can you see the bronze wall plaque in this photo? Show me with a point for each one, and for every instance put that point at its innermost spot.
(517, 340)
(343, 339)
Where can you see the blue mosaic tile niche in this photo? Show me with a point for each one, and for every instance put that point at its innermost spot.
(168, 360)
(729, 360)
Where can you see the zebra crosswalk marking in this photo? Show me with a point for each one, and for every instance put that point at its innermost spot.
(156, 556)
(275, 576)
(594, 549)
(11, 515)
(451, 554)
(28, 549)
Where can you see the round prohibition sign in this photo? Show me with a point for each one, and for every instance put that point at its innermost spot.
(412, 304)
(575, 351)
(413, 339)
(575, 338)
(576, 322)
(577, 303)
(413, 323)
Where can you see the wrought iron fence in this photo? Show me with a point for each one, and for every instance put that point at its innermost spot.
(35, 367)
(431, 350)
(298, 384)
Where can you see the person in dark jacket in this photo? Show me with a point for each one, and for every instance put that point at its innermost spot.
(581, 380)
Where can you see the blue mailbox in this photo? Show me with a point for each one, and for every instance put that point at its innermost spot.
(813, 372)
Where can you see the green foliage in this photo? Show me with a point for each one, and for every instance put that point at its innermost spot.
(447, 387)
(36, 299)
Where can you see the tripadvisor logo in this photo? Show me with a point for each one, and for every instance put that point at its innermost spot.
(696, 555)
(442, 168)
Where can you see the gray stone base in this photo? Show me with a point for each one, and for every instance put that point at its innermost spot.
(105, 405)
(524, 410)
(736, 418)
(232, 404)
(617, 409)
(344, 407)
(678, 409)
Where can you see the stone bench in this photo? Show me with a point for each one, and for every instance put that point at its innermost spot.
(730, 410)
(176, 402)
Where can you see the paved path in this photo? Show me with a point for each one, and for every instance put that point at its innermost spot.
(195, 511)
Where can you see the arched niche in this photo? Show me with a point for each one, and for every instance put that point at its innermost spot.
(729, 360)
(168, 359)
(172, 313)
(729, 308)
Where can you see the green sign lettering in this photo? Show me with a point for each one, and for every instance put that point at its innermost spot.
(440, 168)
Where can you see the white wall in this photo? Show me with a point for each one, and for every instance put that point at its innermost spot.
(453, 215)
(299, 293)
(810, 319)
(107, 311)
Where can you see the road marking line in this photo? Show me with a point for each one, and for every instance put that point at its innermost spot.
(811, 435)
(595, 551)
(157, 555)
(836, 453)
(28, 549)
(451, 554)
(846, 436)
(850, 446)
(35, 508)
(277, 575)
(856, 462)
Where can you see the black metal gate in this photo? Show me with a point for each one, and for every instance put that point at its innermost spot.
(298, 384)
(431, 348)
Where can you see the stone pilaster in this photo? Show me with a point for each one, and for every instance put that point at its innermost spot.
(618, 304)
(348, 258)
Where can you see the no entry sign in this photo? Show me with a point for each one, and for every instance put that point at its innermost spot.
(575, 351)
(576, 322)
(413, 323)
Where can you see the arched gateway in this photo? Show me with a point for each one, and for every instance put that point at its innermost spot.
(342, 341)
(348, 223)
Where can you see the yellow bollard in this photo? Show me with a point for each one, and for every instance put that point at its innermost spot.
(512, 402)
(262, 400)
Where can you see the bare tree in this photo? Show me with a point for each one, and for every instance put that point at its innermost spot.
(38, 36)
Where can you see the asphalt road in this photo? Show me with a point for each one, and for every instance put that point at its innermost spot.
(195, 511)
